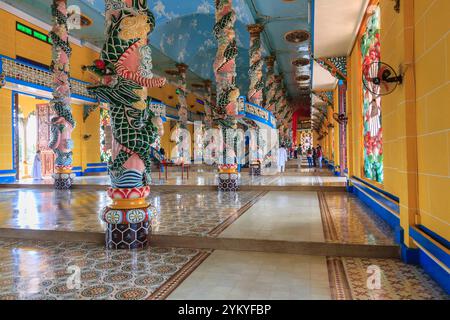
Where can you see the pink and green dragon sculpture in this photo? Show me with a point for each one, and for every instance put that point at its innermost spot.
(227, 91)
(125, 74)
(271, 87)
(63, 124)
(225, 63)
(255, 92)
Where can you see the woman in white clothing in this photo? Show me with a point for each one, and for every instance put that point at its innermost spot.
(282, 158)
(37, 171)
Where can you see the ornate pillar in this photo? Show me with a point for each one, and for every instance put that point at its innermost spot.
(255, 92)
(227, 92)
(271, 87)
(63, 124)
(208, 104)
(125, 70)
(182, 94)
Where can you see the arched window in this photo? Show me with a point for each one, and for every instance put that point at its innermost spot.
(372, 125)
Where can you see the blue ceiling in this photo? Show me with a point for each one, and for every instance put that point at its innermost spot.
(183, 33)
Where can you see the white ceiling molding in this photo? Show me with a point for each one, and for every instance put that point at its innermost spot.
(336, 25)
(323, 80)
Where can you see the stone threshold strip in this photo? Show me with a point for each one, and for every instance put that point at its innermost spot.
(173, 282)
(337, 277)
(211, 243)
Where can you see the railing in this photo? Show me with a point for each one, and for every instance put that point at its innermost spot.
(256, 113)
(25, 73)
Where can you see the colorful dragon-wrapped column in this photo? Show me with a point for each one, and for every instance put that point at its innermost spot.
(208, 104)
(255, 91)
(227, 91)
(63, 123)
(271, 87)
(125, 71)
(182, 94)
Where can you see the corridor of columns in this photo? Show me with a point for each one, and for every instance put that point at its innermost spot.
(224, 150)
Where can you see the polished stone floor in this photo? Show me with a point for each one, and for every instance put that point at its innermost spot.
(228, 275)
(292, 177)
(190, 212)
(37, 269)
(42, 270)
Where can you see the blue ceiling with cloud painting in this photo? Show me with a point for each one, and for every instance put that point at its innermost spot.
(183, 33)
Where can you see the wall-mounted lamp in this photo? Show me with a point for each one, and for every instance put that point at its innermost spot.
(86, 137)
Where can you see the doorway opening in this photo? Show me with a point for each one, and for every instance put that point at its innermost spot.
(33, 123)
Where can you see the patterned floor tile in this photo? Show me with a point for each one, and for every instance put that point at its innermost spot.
(349, 279)
(32, 270)
(189, 212)
(346, 219)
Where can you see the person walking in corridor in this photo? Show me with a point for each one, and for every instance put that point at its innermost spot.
(282, 158)
(314, 157)
(319, 155)
(309, 155)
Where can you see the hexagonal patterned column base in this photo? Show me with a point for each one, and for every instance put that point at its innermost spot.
(127, 236)
(255, 171)
(63, 181)
(228, 182)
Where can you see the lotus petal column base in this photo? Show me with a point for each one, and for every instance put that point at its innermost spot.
(63, 181)
(228, 182)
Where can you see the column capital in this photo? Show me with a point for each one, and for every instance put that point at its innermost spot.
(182, 68)
(255, 29)
(270, 61)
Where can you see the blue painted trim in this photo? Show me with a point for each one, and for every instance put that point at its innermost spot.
(7, 179)
(410, 255)
(98, 169)
(13, 93)
(387, 194)
(434, 236)
(100, 164)
(435, 271)
(47, 89)
(8, 171)
(390, 218)
(375, 193)
(430, 246)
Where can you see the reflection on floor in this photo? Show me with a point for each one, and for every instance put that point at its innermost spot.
(243, 275)
(49, 270)
(38, 269)
(347, 220)
(239, 275)
(292, 177)
(289, 216)
(178, 213)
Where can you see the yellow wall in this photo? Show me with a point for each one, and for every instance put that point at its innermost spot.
(5, 130)
(432, 70)
(415, 117)
(15, 43)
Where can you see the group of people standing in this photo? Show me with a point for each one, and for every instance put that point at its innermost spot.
(314, 156)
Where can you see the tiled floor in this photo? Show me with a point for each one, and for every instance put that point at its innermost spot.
(399, 281)
(178, 213)
(253, 275)
(289, 216)
(353, 221)
(292, 177)
(39, 270)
